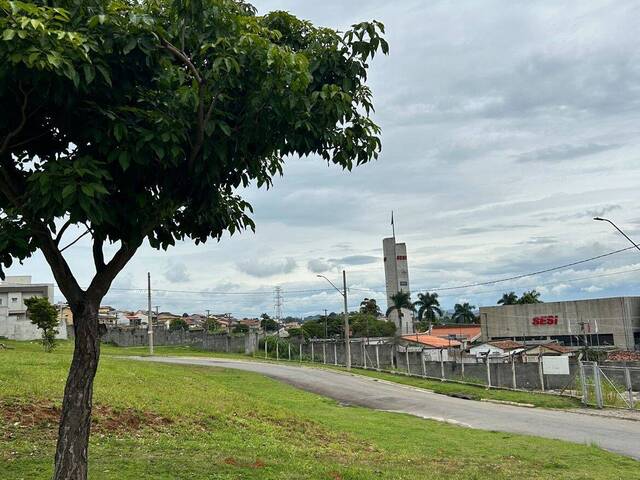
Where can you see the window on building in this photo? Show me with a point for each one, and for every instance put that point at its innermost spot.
(14, 299)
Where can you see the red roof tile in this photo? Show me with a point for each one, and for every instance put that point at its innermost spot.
(431, 340)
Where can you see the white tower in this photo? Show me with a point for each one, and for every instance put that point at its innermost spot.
(396, 273)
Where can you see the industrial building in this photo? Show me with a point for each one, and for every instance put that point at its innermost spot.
(396, 274)
(598, 322)
(14, 323)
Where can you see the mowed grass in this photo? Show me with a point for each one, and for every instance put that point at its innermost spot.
(180, 422)
(446, 388)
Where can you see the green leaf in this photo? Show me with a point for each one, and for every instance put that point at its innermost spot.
(8, 34)
(68, 190)
(87, 190)
(130, 46)
(225, 128)
(124, 161)
(105, 74)
(89, 73)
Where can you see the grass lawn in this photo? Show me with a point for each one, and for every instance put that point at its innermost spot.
(186, 422)
(445, 388)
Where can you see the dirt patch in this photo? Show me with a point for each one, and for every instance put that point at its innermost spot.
(44, 415)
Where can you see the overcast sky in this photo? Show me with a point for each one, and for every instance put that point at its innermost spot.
(507, 126)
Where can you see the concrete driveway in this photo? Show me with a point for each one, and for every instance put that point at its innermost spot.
(617, 435)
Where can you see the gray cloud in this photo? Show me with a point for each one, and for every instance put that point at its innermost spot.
(558, 153)
(266, 268)
(176, 272)
(318, 265)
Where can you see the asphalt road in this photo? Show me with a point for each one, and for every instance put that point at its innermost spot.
(617, 435)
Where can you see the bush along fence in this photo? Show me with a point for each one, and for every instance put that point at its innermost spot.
(595, 384)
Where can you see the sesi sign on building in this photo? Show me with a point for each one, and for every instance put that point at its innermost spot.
(545, 320)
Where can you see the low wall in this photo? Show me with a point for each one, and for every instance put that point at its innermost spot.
(137, 337)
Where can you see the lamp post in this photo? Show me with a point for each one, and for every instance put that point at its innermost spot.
(600, 219)
(343, 292)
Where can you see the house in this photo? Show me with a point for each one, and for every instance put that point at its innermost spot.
(533, 354)
(497, 349)
(14, 321)
(433, 348)
(463, 333)
(107, 315)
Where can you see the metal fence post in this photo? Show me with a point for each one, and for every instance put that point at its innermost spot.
(424, 364)
(513, 373)
(335, 353)
(289, 352)
(266, 348)
(364, 355)
(462, 364)
(627, 377)
(277, 350)
(393, 347)
(301, 352)
(313, 357)
(597, 384)
(488, 373)
(324, 353)
(583, 382)
(541, 372)
(406, 355)
(441, 365)
(377, 357)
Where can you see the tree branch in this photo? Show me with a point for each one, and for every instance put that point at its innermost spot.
(23, 121)
(75, 241)
(98, 253)
(102, 281)
(61, 232)
(202, 118)
(183, 58)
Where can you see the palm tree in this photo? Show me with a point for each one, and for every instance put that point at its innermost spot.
(399, 301)
(532, 296)
(370, 306)
(428, 307)
(508, 299)
(463, 313)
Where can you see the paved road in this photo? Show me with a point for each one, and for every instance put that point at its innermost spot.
(617, 435)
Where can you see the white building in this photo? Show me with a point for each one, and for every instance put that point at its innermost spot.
(396, 273)
(14, 323)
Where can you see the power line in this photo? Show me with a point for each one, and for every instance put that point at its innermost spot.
(517, 277)
(433, 289)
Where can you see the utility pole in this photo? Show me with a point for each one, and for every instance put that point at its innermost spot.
(346, 321)
(150, 320)
(326, 334)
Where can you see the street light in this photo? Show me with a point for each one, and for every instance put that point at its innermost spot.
(600, 219)
(343, 292)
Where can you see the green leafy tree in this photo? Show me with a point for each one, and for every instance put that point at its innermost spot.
(463, 313)
(211, 325)
(240, 328)
(370, 307)
(178, 324)
(428, 307)
(399, 301)
(139, 121)
(316, 328)
(45, 316)
(508, 299)
(268, 324)
(532, 296)
(366, 325)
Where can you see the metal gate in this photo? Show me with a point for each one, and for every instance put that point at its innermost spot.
(604, 385)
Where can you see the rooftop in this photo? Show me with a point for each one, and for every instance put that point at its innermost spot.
(431, 340)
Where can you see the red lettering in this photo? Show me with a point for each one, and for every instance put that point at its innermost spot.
(545, 320)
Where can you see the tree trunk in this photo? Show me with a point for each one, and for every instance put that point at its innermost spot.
(75, 421)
